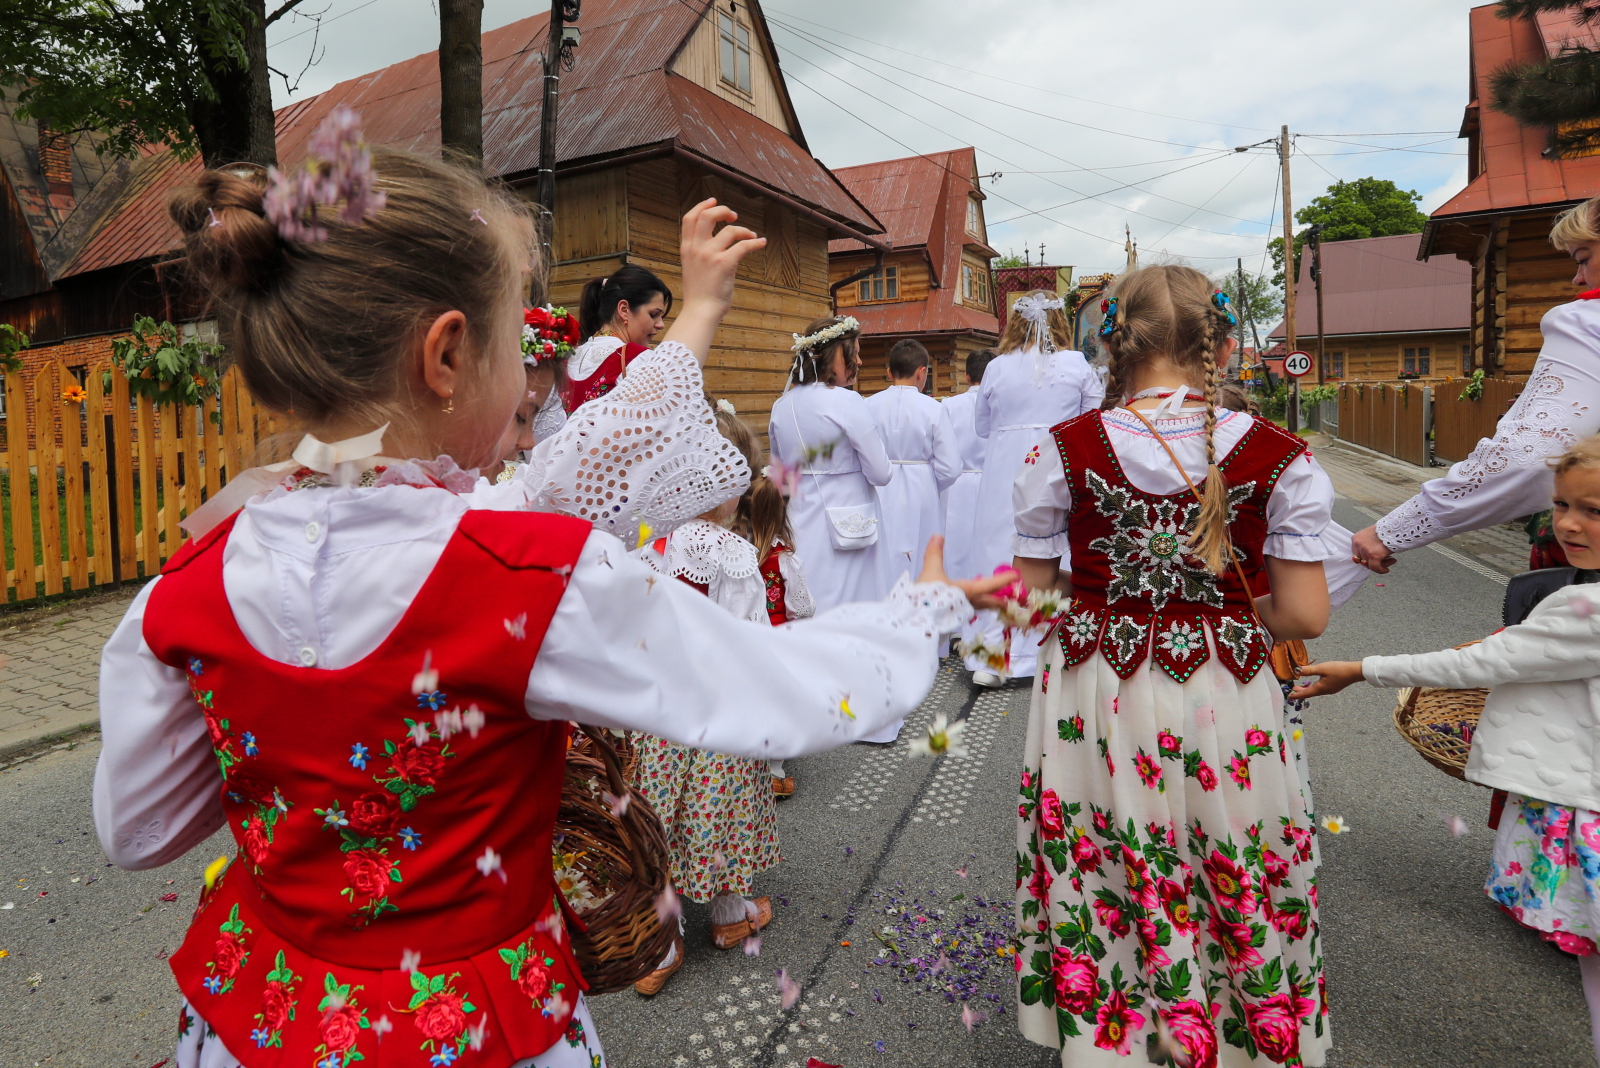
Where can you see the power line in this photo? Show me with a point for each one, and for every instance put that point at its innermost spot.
(1248, 161)
(324, 22)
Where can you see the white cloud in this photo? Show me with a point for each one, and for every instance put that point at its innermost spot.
(1214, 75)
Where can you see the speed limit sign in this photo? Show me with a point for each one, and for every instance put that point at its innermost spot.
(1297, 364)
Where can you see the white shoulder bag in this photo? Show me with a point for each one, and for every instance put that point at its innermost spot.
(850, 526)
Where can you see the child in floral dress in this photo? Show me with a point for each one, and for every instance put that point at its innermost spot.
(764, 519)
(718, 810)
(1537, 737)
(366, 671)
(1166, 900)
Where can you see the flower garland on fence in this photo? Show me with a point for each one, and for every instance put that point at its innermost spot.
(162, 364)
(548, 333)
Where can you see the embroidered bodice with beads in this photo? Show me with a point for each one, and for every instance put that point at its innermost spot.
(1137, 593)
(1506, 477)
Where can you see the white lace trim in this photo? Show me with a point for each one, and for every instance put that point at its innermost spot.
(700, 551)
(796, 594)
(1538, 427)
(550, 418)
(933, 607)
(587, 357)
(1410, 525)
(649, 451)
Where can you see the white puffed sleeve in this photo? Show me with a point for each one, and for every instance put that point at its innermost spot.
(1094, 390)
(1041, 498)
(1506, 478)
(631, 649)
(1299, 512)
(610, 465)
(157, 790)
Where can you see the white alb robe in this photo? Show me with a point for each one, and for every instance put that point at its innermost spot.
(923, 451)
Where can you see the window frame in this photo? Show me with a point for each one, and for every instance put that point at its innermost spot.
(975, 217)
(881, 286)
(734, 44)
(1335, 368)
(1417, 360)
(975, 289)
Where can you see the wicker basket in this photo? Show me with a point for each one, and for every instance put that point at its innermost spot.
(623, 859)
(1440, 724)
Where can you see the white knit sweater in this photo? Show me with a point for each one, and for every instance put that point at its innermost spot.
(1541, 723)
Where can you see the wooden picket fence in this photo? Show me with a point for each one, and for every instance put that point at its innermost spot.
(1387, 417)
(97, 498)
(1459, 424)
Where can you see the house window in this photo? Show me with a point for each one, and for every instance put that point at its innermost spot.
(1466, 359)
(1335, 365)
(974, 285)
(883, 284)
(1416, 361)
(735, 41)
(974, 217)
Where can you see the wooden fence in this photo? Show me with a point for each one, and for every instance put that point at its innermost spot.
(1391, 418)
(1459, 424)
(98, 496)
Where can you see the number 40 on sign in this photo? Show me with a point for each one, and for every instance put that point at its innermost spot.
(1297, 364)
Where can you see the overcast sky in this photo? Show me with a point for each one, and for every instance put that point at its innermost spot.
(1098, 115)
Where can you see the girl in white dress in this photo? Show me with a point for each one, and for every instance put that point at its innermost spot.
(959, 503)
(311, 588)
(1164, 846)
(1035, 383)
(821, 425)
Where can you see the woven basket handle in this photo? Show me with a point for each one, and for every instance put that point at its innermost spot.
(608, 756)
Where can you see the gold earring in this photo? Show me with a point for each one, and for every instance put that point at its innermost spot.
(450, 405)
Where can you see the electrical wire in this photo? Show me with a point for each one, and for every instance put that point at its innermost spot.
(322, 23)
(1220, 190)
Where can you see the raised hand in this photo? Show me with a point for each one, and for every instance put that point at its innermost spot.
(711, 257)
(979, 591)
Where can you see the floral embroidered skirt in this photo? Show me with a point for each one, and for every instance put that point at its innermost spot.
(719, 811)
(1546, 871)
(1165, 868)
(199, 1046)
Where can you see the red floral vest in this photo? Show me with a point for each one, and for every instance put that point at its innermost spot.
(1135, 593)
(393, 899)
(777, 592)
(604, 379)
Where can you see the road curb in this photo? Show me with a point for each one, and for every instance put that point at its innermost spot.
(24, 747)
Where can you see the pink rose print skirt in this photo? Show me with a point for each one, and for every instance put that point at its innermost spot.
(1166, 861)
(1546, 871)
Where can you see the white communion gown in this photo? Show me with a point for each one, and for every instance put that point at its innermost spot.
(1023, 394)
(926, 460)
(959, 503)
(846, 460)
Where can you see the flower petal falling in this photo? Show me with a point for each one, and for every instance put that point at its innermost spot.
(1335, 824)
(489, 864)
(789, 989)
(668, 908)
(943, 739)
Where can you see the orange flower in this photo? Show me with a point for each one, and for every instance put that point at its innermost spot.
(74, 394)
(200, 380)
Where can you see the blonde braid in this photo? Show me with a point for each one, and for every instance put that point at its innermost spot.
(1211, 527)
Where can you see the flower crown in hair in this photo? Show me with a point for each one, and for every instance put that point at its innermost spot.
(1108, 308)
(1036, 307)
(548, 333)
(339, 168)
(847, 325)
(1219, 301)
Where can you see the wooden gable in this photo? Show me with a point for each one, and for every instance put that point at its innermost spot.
(700, 61)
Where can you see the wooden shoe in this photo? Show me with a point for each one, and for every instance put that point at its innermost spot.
(728, 935)
(783, 787)
(651, 984)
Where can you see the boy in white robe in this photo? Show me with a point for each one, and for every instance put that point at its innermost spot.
(924, 454)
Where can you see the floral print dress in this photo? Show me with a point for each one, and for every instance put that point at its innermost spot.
(719, 811)
(1165, 849)
(1546, 871)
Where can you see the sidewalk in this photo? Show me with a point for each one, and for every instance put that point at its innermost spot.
(50, 667)
(1377, 484)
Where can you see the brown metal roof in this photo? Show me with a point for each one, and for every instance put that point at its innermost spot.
(1516, 173)
(1376, 285)
(618, 97)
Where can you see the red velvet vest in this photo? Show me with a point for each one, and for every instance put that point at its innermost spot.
(1136, 593)
(393, 899)
(777, 589)
(604, 379)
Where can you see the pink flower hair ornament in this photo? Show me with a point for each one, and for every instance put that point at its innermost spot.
(338, 168)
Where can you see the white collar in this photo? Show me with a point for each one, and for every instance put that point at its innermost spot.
(587, 357)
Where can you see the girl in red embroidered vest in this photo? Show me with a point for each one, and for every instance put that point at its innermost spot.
(764, 519)
(366, 671)
(1166, 893)
(718, 809)
(619, 315)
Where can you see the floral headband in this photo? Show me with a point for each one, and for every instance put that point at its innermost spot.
(548, 333)
(847, 325)
(1219, 301)
(1108, 308)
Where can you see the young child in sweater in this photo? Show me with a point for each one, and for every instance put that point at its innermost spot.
(1537, 738)
(366, 671)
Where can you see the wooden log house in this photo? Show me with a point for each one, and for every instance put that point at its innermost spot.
(668, 102)
(1500, 223)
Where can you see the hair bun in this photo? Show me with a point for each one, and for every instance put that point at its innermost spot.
(227, 236)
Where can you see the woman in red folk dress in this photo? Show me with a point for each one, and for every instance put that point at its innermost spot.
(618, 316)
(366, 671)
(1166, 892)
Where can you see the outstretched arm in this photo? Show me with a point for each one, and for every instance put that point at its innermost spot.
(710, 259)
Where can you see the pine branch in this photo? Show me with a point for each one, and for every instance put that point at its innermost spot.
(1584, 11)
(1563, 89)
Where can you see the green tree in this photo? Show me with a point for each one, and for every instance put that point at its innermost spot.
(189, 73)
(1259, 301)
(1366, 207)
(1561, 91)
(1010, 259)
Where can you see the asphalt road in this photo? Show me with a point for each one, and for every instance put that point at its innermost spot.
(1422, 971)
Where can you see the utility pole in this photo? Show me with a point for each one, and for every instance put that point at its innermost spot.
(1290, 277)
(1316, 276)
(1239, 310)
(559, 11)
